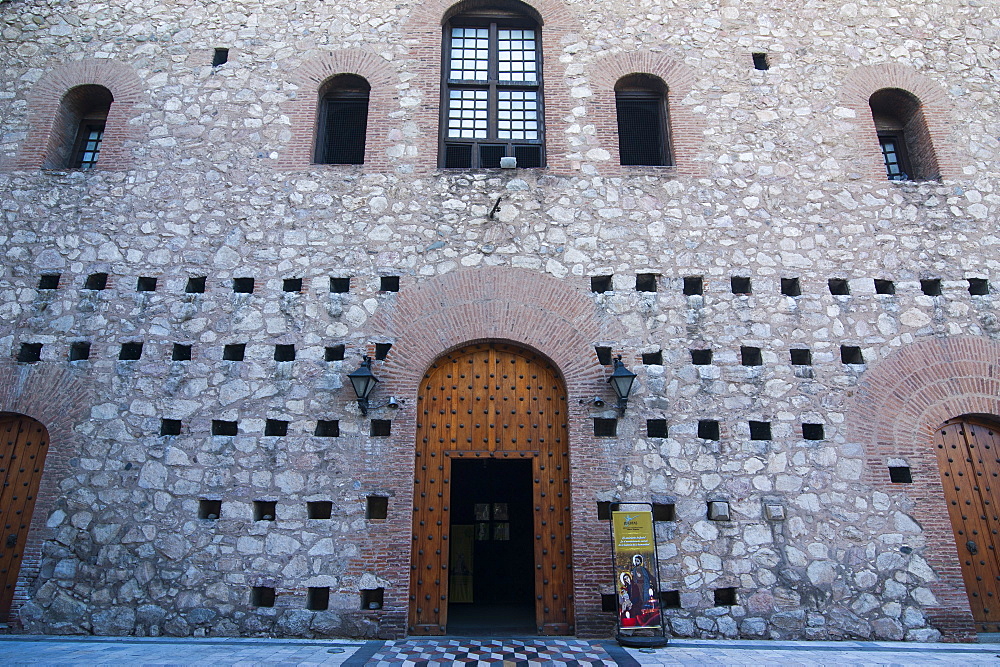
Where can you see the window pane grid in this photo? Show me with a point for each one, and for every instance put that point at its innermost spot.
(890, 154)
(470, 54)
(467, 114)
(517, 114)
(91, 147)
(516, 55)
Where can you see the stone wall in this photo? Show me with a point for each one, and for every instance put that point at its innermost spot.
(208, 174)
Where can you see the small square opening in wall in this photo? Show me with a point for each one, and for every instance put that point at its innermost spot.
(284, 353)
(195, 285)
(652, 358)
(900, 475)
(382, 350)
(318, 598)
(209, 509)
(603, 355)
(328, 428)
(670, 599)
(319, 509)
(645, 282)
(760, 430)
(389, 284)
(373, 598)
(801, 356)
(79, 350)
(170, 427)
(656, 428)
(605, 428)
(340, 285)
(130, 351)
(291, 285)
(380, 428)
(600, 284)
(604, 510)
(851, 354)
(884, 287)
(791, 287)
(839, 286)
(96, 281)
(264, 510)
(701, 357)
(243, 285)
(30, 353)
(740, 284)
(931, 286)
(664, 512)
(277, 427)
(694, 285)
(181, 352)
(708, 429)
(234, 352)
(725, 597)
(48, 281)
(376, 507)
(812, 431)
(262, 596)
(609, 602)
(224, 427)
(145, 284)
(220, 57)
(760, 61)
(751, 356)
(979, 286)
(334, 353)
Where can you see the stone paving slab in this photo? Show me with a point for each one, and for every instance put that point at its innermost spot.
(530, 652)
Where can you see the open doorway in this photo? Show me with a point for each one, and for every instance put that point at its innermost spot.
(491, 585)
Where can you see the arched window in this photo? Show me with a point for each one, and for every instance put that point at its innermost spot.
(343, 120)
(491, 104)
(903, 136)
(83, 113)
(643, 127)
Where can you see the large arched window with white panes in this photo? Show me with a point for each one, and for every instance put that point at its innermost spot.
(491, 104)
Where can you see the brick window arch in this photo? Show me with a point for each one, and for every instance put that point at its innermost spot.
(491, 89)
(643, 121)
(343, 120)
(905, 142)
(78, 131)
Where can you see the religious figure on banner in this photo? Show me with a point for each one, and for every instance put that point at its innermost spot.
(641, 589)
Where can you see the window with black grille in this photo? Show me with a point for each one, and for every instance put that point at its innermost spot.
(491, 103)
(903, 136)
(343, 120)
(643, 137)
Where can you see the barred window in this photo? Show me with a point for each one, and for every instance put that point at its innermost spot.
(83, 113)
(643, 130)
(343, 120)
(491, 89)
(905, 142)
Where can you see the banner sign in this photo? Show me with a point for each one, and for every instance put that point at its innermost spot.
(635, 557)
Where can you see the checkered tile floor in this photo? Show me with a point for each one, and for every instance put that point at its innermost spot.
(507, 652)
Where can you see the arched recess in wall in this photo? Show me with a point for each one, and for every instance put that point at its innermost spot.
(686, 129)
(321, 75)
(58, 401)
(892, 98)
(554, 318)
(104, 93)
(555, 20)
(895, 413)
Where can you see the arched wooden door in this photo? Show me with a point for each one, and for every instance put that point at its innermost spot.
(968, 450)
(501, 402)
(23, 445)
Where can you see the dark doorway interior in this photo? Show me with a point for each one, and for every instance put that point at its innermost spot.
(491, 526)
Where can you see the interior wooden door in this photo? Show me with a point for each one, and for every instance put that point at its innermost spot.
(492, 400)
(969, 458)
(23, 445)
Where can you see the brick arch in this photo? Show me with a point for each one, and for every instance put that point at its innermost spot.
(302, 110)
(555, 318)
(423, 29)
(897, 407)
(866, 80)
(46, 96)
(58, 400)
(687, 129)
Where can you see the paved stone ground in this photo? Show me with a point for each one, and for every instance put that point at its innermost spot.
(38, 650)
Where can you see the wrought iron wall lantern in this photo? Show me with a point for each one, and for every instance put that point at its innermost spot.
(621, 381)
(363, 381)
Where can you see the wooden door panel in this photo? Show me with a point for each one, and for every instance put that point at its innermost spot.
(500, 401)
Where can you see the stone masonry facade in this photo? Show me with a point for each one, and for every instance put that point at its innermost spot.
(206, 172)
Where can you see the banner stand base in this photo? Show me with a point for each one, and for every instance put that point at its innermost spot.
(638, 641)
